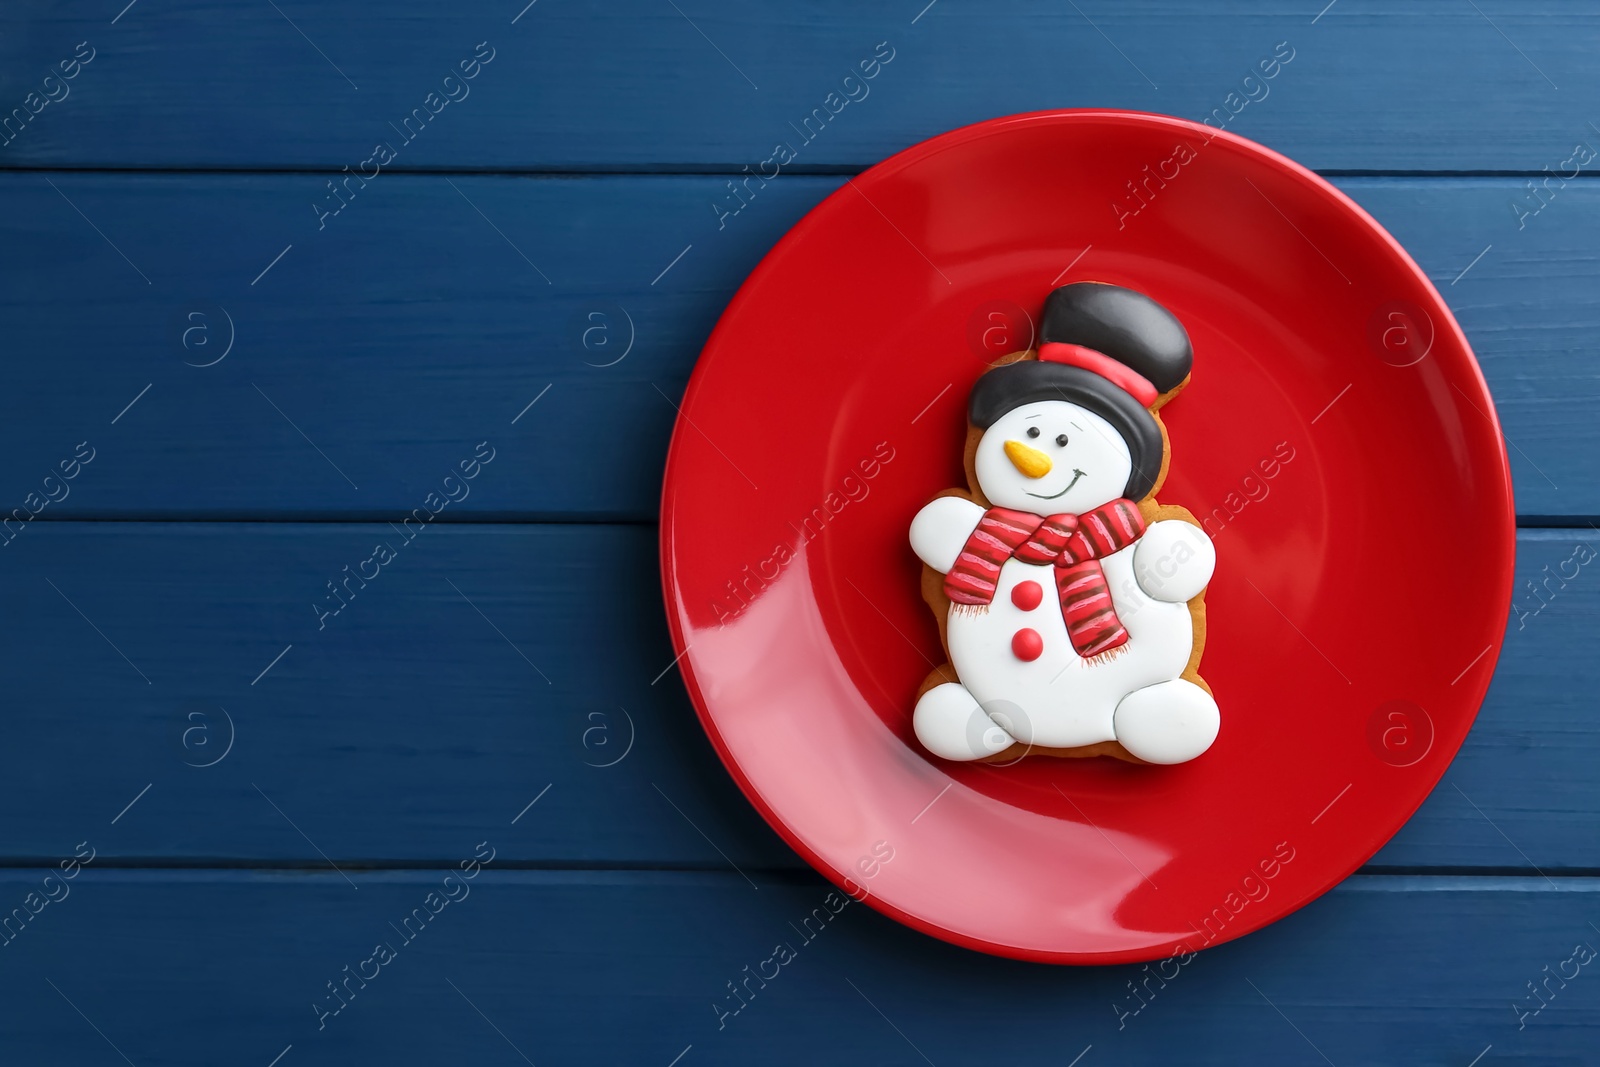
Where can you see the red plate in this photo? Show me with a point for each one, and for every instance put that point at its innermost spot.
(1360, 595)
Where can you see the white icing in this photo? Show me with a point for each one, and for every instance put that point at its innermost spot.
(1093, 447)
(1169, 722)
(949, 723)
(941, 529)
(1173, 561)
(1135, 695)
(1063, 700)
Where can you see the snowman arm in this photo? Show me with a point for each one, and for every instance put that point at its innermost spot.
(1174, 560)
(941, 528)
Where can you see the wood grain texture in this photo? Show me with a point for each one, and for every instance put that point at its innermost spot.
(590, 967)
(372, 356)
(422, 709)
(585, 86)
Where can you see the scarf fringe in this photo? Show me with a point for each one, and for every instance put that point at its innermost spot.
(1107, 656)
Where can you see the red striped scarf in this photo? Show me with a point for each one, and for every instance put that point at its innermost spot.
(1074, 543)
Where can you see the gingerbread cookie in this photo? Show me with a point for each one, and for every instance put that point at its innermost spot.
(1071, 603)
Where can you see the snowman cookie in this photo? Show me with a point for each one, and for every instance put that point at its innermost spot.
(1070, 603)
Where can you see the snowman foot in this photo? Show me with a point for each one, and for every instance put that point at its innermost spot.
(949, 723)
(1169, 722)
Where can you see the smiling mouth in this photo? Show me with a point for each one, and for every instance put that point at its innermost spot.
(1076, 474)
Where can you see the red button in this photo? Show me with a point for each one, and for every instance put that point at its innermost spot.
(1027, 644)
(1027, 595)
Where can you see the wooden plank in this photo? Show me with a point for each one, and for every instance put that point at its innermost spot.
(707, 84)
(367, 361)
(422, 710)
(370, 357)
(481, 667)
(183, 967)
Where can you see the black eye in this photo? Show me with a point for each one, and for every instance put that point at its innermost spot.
(1061, 440)
(1033, 431)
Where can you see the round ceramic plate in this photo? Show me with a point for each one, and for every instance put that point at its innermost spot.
(1337, 440)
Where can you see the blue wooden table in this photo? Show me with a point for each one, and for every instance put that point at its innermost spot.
(287, 282)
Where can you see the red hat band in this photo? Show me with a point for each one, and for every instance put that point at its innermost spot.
(1119, 374)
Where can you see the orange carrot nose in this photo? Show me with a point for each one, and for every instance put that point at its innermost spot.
(1030, 461)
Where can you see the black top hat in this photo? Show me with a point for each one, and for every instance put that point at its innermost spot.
(1109, 349)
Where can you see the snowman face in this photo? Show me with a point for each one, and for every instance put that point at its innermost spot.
(1050, 457)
